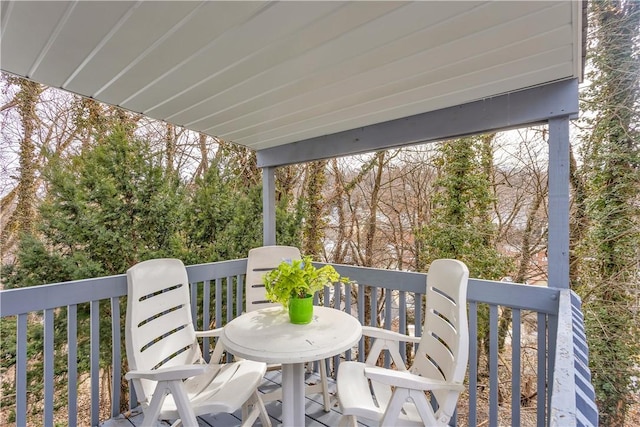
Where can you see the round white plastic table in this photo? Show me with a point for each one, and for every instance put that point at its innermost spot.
(267, 335)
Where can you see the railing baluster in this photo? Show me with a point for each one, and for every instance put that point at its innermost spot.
(388, 321)
(95, 361)
(206, 295)
(515, 366)
(48, 367)
(542, 364)
(217, 315)
(388, 306)
(493, 365)
(115, 357)
(473, 362)
(418, 297)
(361, 291)
(229, 303)
(402, 319)
(417, 326)
(240, 293)
(347, 297)
(374, 306)
(347, 308)
(552, 325)
(194, 304)
(218, 304)
(21, 370)
(72, 364)
(326, 296)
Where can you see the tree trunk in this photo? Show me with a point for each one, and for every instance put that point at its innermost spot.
(314, 226)
(26, 205)
(170, 148)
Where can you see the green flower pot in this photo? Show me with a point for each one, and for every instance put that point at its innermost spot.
(301, 310)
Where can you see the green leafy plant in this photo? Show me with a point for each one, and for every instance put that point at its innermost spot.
(298, 279)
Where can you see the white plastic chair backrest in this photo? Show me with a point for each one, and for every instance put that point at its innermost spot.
(443, 350)
(159, 329)
(262, 260)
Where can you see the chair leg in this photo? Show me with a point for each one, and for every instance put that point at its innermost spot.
(153, 410)
(250, 418)
(391, 414)
(257, 410)
(264, 416)
(424, 408)
(325, 386)
(245, 410)
(183, 405)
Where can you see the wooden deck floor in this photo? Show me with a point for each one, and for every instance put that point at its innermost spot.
(315, 414)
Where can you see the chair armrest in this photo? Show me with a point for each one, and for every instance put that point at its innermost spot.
(406, 379)
(386, 340)
(209, 333)
(219, 349)
(386, 334)
(167, 374)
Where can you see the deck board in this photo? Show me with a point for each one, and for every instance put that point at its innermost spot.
(314, 409)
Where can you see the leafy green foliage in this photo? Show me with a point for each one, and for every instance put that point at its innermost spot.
(460, 226)
(224, 220)
(298, 279)
(608, 254)
(105, 210)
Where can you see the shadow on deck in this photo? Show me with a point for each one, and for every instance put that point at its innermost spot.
(314, 410)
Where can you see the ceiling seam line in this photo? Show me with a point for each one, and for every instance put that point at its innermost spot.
(464, 75)
(414, 76)
(102, 43)
(350, 30)
(54, 35)
(412, 34)
(149, 49)
(179, 65)
(5, 19)
(226, 68)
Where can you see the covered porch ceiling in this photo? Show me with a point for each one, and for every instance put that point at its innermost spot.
(267, 74)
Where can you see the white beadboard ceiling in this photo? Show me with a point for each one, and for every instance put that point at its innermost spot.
(263, 74)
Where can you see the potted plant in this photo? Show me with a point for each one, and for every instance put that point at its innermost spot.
(293, 284)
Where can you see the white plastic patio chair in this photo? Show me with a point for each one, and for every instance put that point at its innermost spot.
(260, 261)
(170, 377)
(439, 365)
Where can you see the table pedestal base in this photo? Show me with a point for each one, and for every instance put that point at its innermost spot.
(293, 390)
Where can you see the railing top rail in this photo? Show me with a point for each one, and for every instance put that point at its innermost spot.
(34, 298)
(513, 295)
(212, 270)
(54, 295)
(25, 300)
